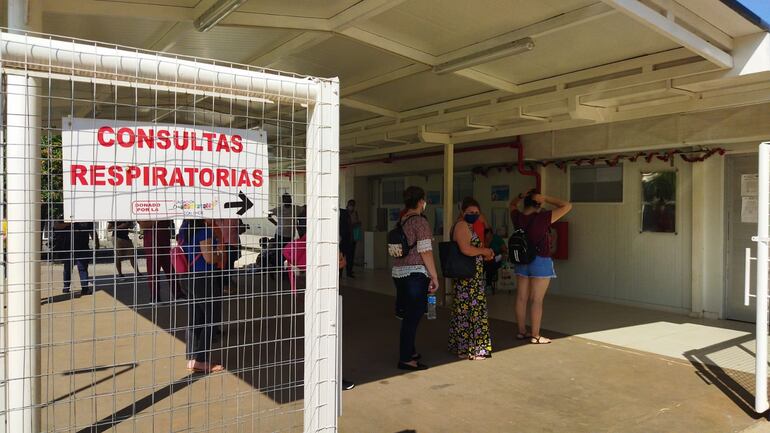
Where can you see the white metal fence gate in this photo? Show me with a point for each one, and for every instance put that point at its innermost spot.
(96, 139)
(763, 242)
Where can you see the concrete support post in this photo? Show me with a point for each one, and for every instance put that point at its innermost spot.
(449, 174)
(23, 277)
(708, 269)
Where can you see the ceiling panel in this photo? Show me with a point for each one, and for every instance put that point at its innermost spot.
(350, 115)
(420, 90)
(182, 3)
(298, 8)
(722, 16)
(338, 56)
(579, 48)
(437, 30)
(132, 32)
(232, 44)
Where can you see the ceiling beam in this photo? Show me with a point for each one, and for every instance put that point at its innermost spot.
(411, 147)
(547, 85)
(752, 96)
(430, 60)
(387, 77)
(752, 57)
(297, 44)
(389, 45)
(169, 38)
(433, 137)
(358, 105)
(240, 18)
(441, 112)
(349, 17)
(117, 9)
(489, 80)
(361, 11)
(579, 111)
(554, 24)
(708, 30)
(564, 21)
(611, 97)
(666, 26)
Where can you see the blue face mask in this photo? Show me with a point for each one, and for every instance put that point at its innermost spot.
(471, 218)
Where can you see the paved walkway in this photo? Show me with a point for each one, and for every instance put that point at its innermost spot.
(113, 362)
(595, 382)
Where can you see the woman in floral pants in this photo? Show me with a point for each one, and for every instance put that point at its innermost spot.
(469, 327)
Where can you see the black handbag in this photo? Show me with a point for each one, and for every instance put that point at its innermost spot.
(455, 264)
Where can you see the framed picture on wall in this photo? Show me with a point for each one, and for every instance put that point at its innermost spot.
(659, 202)
(501, 192)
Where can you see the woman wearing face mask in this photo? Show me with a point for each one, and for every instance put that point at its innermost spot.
(469, 327)
(414, 276)
(532, 280)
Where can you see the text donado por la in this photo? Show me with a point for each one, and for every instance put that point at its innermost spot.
(118, 175)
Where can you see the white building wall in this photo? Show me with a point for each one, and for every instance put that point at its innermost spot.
(609, 258)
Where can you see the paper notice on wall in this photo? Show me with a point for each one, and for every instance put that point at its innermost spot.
(749, 210)
(749, 185)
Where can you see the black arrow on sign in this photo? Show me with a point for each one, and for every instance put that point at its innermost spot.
(244, 204)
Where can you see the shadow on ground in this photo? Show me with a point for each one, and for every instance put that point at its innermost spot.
(739, 386)
(371, 331)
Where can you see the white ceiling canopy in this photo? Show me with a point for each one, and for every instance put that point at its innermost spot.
(472, 70)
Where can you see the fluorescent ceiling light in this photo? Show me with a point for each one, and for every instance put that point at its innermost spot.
(485, 56)
(216, 13)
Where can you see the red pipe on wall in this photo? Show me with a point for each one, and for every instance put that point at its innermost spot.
(522, 169)
(514, 145)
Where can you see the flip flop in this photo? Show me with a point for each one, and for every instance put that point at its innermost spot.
(540, 340)
(210, 368)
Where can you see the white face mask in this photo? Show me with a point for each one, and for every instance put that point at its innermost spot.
(424, 205)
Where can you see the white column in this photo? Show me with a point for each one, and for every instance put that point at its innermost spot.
(708, 236)
(322, 381)
(449, 175)
(761, 403)
(23, 282)
(23, 275)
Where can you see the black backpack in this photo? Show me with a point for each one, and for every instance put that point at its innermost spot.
(520, 249)
(398, 245)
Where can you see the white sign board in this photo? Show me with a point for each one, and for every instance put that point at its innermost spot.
(117, 170)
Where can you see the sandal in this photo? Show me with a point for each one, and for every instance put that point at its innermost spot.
(540, 340)
(207, 368)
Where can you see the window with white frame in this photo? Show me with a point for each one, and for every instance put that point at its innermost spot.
(596, 184)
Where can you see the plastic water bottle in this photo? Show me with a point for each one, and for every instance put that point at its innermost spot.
(431, 307)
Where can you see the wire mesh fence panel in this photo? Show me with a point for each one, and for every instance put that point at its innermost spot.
(155, 217)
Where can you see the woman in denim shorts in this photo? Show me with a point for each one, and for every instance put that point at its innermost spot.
(533, 279)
